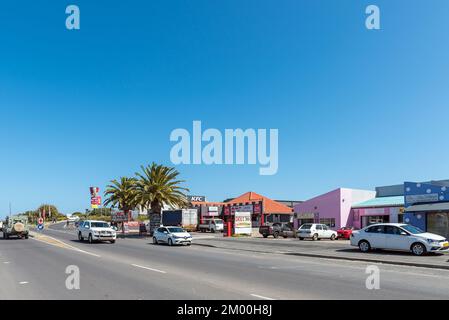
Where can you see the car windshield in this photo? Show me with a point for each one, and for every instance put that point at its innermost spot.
(175, 230)
(306, 226)
(412, 229)
(219, 221)
(99, 225)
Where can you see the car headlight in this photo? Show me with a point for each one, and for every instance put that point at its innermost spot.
(431, 241)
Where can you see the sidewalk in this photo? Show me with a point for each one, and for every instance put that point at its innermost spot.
(340, 250)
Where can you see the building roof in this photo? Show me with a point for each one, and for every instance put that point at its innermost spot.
(269, 206)
(395, 201)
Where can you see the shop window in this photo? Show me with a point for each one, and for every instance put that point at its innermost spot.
(330, 222)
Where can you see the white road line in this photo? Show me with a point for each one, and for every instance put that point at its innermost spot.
(6, 262)
(261, 297)
(69, 246)
(146, 268)
(23, 282)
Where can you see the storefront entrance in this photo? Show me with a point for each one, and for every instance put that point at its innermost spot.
(369, 220)
(438, 223)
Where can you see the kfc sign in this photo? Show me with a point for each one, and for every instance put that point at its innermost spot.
(196, 198)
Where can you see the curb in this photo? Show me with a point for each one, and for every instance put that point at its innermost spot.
(322, 256)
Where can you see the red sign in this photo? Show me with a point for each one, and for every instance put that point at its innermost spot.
(40, 221)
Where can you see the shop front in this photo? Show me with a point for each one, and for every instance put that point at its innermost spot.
(378, 210)
(260, 209)
(332, 209)
(427, 206)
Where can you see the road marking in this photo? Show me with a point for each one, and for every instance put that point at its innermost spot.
(64, 245)
(6, 262)
(151, 269)
(23, 282)
(261, 297)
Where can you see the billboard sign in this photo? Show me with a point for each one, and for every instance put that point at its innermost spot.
(242, 222)
(95, 199)
(119, 216)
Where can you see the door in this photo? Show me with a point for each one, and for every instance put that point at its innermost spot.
(327, 233)
(319, 231)
(438, 223)
(86, 229)
(396, 239)
(375, 236)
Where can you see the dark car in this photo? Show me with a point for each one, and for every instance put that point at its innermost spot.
(283, 229)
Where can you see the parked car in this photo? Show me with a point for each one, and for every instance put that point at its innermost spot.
(398, 236)
(212, 225)
(93, 230)
(172, 236)
(316, 231)
(345, 232)
(277, 229)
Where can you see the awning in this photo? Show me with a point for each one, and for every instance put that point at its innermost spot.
(441, 206)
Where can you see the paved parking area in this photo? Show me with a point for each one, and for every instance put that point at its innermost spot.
(339, 249)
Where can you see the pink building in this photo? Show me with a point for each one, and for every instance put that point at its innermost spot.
(332, 208)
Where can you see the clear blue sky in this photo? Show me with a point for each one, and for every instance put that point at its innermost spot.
(354, 108)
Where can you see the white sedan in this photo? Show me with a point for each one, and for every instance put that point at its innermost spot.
(398, 236)
(172, 236)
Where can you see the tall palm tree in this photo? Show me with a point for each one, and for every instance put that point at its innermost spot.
(121, 194)
(158, 185)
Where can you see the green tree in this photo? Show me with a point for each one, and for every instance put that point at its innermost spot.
(121, 194)
(50, 211)
(158, 185)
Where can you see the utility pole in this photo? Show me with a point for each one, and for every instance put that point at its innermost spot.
(10, 209)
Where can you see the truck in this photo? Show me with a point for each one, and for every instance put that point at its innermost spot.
(185, 218)
(212, 225)
(283, 229)
(16, 226)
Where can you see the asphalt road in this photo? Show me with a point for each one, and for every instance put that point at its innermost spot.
(137, 269)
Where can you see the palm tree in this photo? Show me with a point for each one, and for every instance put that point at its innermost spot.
(158, 185)
(121, 194)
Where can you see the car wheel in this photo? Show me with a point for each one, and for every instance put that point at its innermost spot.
(155, 241)
(170, 242)
(212, 230)
(276, 235)
(364, 246)
(80, 237)
(112, 241)
(90, 238)
(315, 237)
(418, 249)
(301, 238)
(189, 244)
(26, 236)
(333, 237)
(265, 235)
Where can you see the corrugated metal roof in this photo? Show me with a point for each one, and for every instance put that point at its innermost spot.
(381, 202)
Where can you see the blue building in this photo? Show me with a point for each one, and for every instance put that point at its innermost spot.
(427, 206)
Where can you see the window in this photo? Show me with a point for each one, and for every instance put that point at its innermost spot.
(392, 230)
(318, 227)
(324, 227)
(330, 222)
(375, 229)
